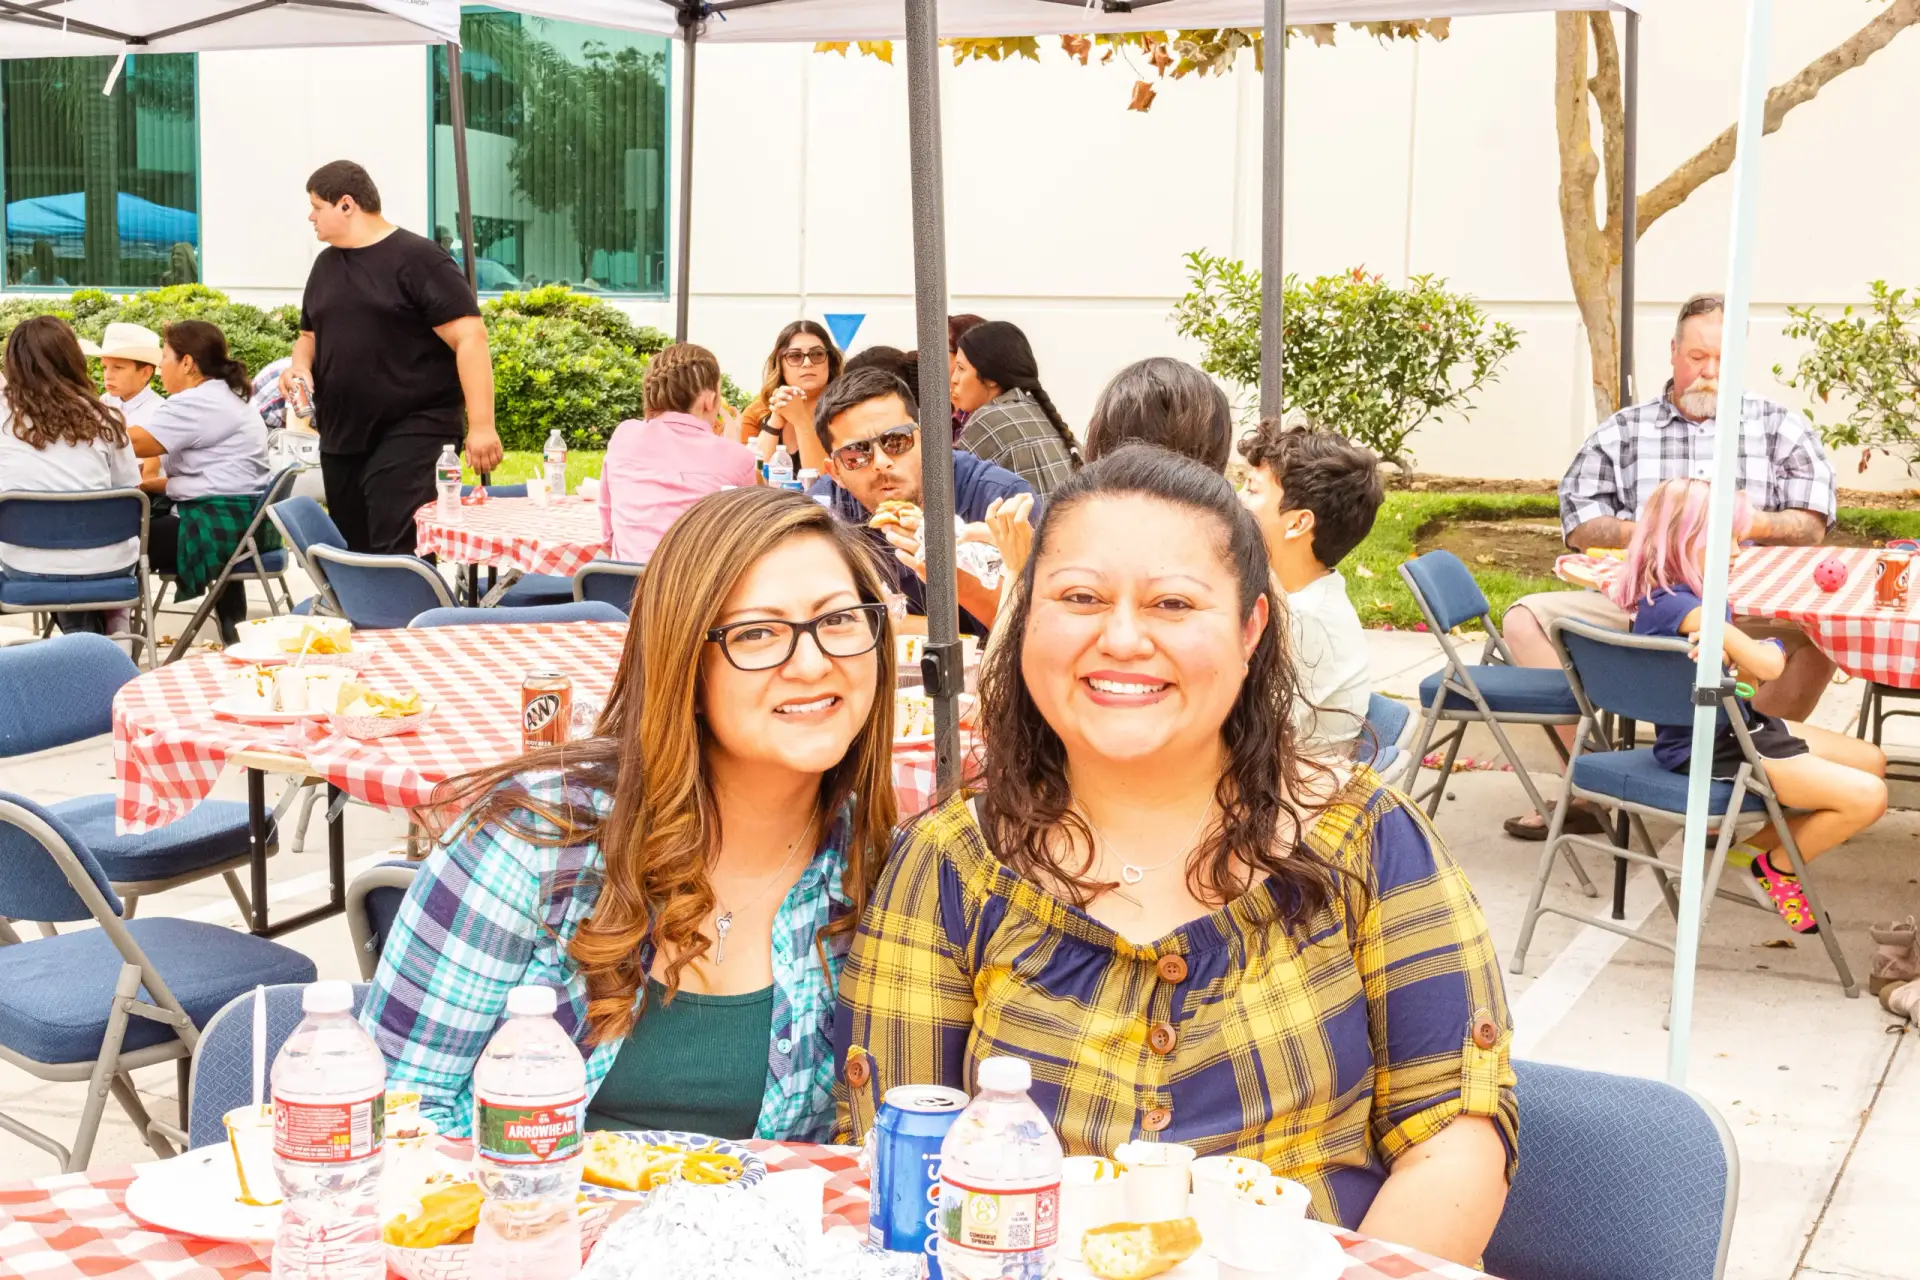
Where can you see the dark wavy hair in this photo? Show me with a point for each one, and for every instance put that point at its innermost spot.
(1001, 354)
(1166, 402)
(1027, 803)
(49, 390)
(207, 345)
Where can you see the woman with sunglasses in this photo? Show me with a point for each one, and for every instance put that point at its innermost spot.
(802, 363)
(690, 876)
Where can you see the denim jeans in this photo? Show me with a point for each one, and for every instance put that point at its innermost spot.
(95, 621)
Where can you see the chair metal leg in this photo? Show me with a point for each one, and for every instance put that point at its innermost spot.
(1828, 936)
(129, 1099)
(240, 898)
(105, 1068)
(1539, 804)
(1547, 856)
(129, 903)
(1429, 720)
(306, 814)
(1866, 711)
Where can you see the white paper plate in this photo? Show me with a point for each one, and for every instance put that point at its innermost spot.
(197, 1194)
(231, 709)
(268, 653)
(1320, 1257)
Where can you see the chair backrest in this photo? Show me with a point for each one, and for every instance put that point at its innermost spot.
(1619, 1176)
(40, 860)
(378, 593)
(498, 490)
(610, 582)
(1386, 720)
(222, 1076)
(578, 611)
(1644, 678)
(73, 521)
(373, 903)
(306, 524)
(59, 691)
(1444, 589)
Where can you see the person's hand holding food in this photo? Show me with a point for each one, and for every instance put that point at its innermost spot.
(1010, 521)
(901, 523)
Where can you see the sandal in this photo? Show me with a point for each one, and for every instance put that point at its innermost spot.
(1581, 821)
(1789, 899)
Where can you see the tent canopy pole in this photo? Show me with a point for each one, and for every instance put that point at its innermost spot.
(942, 668)
(457, 99)
(1630, 211)
(683, 265)
(1273, 179)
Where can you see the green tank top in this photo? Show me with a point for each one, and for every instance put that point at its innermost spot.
(698, 1064)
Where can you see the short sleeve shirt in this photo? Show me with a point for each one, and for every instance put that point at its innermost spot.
(379, 368)
(1661, 614)
(215, 442)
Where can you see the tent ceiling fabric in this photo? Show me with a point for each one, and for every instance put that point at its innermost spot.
(33, 28)
(777, 20)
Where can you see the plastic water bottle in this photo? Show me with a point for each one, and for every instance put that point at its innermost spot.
(446, 479)
(1000, 1182)
(780, 468)
(530, 1104)
(556, 454)
(329, 1103)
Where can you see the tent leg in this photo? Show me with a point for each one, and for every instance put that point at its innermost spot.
(457, 99)
(1273, 137)
(683, 265)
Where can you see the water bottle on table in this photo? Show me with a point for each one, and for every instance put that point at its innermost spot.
(329, 1100)
(1000, 1182)
(780, 468)
(556, 459)
(530, 1103)
(446, 480)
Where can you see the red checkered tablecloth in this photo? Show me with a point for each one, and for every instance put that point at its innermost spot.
(515, 533)
(1872, 643)
(76, 1227)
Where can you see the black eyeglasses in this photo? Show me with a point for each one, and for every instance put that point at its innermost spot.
(761, 644)
(858, 455)
(795, 357)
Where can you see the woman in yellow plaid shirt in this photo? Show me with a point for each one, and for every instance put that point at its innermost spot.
(1190, 931)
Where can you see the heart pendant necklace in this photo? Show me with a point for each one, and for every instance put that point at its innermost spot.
(1132, 872)
(723, 923)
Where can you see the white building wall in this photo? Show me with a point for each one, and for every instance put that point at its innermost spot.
(1069, 215)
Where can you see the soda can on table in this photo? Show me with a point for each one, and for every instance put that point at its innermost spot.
(904, 1214)
(546, 709)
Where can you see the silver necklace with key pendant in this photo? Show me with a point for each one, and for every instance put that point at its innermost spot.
(723, 923)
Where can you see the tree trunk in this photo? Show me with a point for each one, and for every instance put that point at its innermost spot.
(101, 184)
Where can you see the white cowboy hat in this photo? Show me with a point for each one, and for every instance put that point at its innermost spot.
(126, 342)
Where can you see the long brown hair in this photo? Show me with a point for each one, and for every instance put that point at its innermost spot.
(49, 390)
(207, 345)
(649, 752)
(1027, 803)
(775, 375)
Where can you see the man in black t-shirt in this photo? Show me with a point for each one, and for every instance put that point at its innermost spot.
(392, 345)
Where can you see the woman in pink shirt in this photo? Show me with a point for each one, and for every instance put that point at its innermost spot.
(658, 468)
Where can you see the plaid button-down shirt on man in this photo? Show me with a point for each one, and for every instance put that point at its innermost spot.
(1781, 465)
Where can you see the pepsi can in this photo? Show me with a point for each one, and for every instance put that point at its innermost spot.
(904, 1215)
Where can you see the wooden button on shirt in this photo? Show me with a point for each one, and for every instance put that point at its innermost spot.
(1161, 1038)
(1172, 969)
(1486, 1032)
(1156, 1120)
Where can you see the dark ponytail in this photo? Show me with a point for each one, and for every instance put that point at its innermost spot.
(208, 347)
(1001, 354)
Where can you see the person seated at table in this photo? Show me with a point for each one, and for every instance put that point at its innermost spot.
(904, 365)
(689, 877)
(56, 435)
(1194, 930)
(1011, 421)
(657, 468)
(1315, 497)
(1781, 465)
(1839, 781)
(215, 451)
(802, 364)
(866, 424)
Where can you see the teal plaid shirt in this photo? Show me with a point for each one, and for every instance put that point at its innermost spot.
(493, 911)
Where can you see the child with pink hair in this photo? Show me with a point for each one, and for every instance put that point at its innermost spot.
(1839, 781)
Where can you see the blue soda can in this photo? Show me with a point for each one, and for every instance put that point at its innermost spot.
(905, 1211)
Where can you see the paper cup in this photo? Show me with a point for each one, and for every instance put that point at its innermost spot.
(590, 489)
(410, 1157)
(252, 689)
(250, 1141)
(323, 687)
(1216, 1182)
(1093, 1194)
(290, 686)
(537, 490)
(1262, 1221)
(1159, 1178)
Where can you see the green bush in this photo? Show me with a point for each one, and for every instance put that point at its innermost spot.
(1873, 361)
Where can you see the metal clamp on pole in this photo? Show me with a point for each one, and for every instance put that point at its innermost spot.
(943, 670)
(1715, 695)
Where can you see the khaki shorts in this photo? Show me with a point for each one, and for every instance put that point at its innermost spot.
(1594, 608)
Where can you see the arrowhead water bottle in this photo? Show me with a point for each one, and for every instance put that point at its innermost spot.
(1000, 1182)
(446, 480)
(556, 458)
(780, 468)
(329, 1099)
(529, 1104)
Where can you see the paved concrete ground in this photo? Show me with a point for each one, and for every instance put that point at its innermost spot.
(1822, 1093)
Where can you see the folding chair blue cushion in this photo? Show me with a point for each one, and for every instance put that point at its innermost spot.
(609, 581)
(66, 522)
(21, 593)
(381, 592)
(59, 692)
(532, 589)
(215, 831)
(1635, 776)
(307, 524)
(223, 1061)
(571, 611)
(1386, 721)
(1537, 691)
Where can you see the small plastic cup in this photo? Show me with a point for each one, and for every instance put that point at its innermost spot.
(537, 490)
(1093, 1193)
(1159, 1178)
(1217, 1180)
(250, 1140)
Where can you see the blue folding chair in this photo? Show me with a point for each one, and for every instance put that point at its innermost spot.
(373, 903)
(1650, 679)
(61, 692)
(1493, 691)
(303, 525)
(573, 611)
(612, 582)
(1378, 745)
(223, 1060)
(1618, 1177)
(529, 589)
(96, 1004)
(250, 562)
(379, 593)
(76, 522)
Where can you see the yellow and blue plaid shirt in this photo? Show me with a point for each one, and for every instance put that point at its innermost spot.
(1324, 1049)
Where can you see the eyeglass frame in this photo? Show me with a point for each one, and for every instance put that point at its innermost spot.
(872, 442)
(801, 356)
(811, 627)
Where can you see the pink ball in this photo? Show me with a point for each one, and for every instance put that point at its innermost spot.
(1830, 573)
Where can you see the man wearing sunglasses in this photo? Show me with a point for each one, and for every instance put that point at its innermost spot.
(866, 423)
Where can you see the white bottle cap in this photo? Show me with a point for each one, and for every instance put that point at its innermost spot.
(330, 996)
(1006, 1075)
(532, 1002)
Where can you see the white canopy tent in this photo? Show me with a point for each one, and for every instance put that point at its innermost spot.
(81, 28)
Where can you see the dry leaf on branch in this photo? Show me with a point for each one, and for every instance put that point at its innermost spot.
(1143, 95)
(1079, 47)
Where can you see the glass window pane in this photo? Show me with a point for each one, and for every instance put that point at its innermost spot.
(566, 153)
(100, 189)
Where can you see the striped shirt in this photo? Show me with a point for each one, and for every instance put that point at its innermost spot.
(1781, 465)
(1324, 1049)
(493, 911)
(1013, 431)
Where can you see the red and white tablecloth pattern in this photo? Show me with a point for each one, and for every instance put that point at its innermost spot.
(515, 533)
(1866, 641)
(76, 1226)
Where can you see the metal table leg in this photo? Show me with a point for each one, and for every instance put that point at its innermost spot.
(1621, 833)
(257, 846)
(336, 903)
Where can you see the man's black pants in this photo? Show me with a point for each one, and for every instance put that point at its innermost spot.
(372, 495)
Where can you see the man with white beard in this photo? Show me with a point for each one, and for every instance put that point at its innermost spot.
(1781, 467)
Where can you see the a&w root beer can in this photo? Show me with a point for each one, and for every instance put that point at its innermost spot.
(546, 709)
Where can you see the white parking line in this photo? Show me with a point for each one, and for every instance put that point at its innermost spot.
(1543, 1006)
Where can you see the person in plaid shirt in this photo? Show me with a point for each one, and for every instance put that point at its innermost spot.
(1781, 467)
(690, 876)
(1011, 421)
(1192, 931)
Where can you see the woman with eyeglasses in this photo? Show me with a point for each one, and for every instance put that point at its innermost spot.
(802, 363)
(690, 876)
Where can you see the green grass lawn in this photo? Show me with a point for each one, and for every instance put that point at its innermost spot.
(582, 464)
